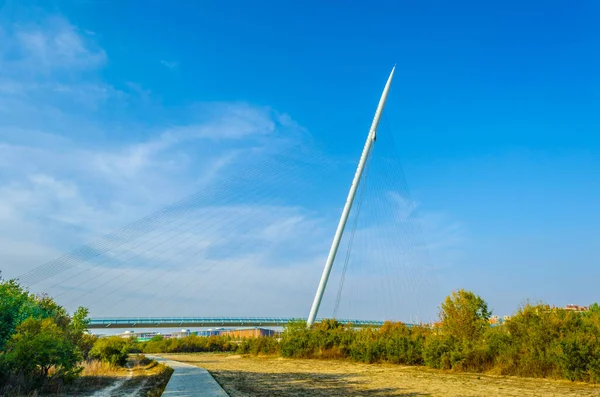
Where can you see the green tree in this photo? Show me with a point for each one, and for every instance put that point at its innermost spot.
(37, 334)
(38, 345)
(464, 316)
(80, 319)
(15, 306)
(78, 328)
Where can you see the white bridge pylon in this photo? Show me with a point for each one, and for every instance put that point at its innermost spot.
(349, 201)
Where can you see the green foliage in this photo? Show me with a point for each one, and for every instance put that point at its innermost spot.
(403, 345)
(15, 306)
(80, 320)
(464, 316)
(537, 341)
(189, 344)
(38, 345)
(85, 342)
(437, 351)
(296, 341)
(552, 342)
(266, 345)
(534, 332)
(39, 341)
(112, 350)
(78, 331)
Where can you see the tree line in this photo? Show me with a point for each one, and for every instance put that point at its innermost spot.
(42, 345)
(537, 341)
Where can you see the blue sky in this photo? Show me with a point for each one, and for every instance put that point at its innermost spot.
(109, 112)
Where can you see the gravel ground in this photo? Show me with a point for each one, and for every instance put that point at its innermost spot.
(274, 376)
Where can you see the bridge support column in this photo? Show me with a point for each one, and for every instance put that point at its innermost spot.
(348, 206)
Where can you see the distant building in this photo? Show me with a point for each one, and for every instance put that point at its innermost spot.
(210, 332)
(576, 308)
(182, 334)
(248, 332)
(234, 333)
(141, 336)
(494, 320)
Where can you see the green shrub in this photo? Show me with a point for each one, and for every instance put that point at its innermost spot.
(296, 341)
(538, 341)
(262, 345)
(436, 352)
(111, 350)
(188, 344)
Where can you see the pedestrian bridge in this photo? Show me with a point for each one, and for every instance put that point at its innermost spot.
(179, 322)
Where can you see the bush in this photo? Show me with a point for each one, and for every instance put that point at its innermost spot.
(189, 344)
(538, 341)
(266, 345)
(296, 341)
(112, 350)
(436, 353)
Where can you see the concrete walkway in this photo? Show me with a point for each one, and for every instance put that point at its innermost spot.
(190, 381)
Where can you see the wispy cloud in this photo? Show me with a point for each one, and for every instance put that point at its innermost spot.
(49, 45)
(70, 174)
(169, 64)
(59, 166)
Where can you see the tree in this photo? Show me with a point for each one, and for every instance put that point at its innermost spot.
(464, 315)
(78, 328)
(15, 306)
(38, 345)
(80, 319)
(37, 334)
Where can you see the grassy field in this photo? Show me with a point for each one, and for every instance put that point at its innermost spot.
(274, 376)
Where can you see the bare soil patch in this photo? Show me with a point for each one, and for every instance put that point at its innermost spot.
(275, 376)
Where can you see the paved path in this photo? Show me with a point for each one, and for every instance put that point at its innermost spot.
(190, 381)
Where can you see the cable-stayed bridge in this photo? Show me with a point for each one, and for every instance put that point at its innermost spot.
(254, 243)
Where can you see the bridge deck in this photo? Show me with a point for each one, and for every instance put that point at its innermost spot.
(183, 322)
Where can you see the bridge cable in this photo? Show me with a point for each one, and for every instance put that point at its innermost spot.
(409, 231)
(193, 280)
(129, 232)
(363, 189)
(263, 193)
(223, 238)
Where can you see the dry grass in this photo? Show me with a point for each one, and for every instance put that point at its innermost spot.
(142, 377)
(275, 376)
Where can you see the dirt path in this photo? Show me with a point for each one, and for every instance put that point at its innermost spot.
(252, 376)
(113, 389)
(125, 386)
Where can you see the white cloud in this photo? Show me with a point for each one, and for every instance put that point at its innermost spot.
(53, 44)
(56, 174)
(169, 64)
(69, 175)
